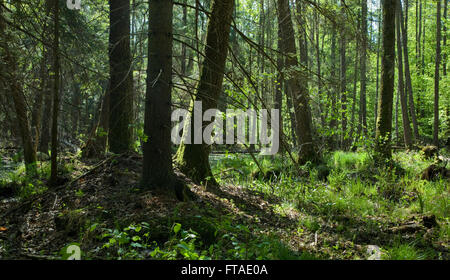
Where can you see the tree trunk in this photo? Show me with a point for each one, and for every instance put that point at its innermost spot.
(55, 106)
(183, 46)
(343, 83)
(76, 100)
(98, 135)
(378, 66)
(296, 85)
(384, 121)
(10, 77)
(401, 86)
(157, 169)
(193, 159)
(409, 89)
(362, 98)
(436, 75)
(444, 57)
(121, 78)
(334, 110)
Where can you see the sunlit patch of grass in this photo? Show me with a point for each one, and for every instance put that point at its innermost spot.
(412, 162)
(349, 161)
(405, 251)
(357, 190)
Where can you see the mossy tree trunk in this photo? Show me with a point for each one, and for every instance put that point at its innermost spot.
(385, 100)
(296, 84)
(193, 159)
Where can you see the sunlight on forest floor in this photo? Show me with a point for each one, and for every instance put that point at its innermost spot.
(331, 211)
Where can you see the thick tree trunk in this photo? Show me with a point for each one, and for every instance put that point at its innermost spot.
(384, 121)
(296, 85)
(157, 169)
(121, 78)
(193, 159)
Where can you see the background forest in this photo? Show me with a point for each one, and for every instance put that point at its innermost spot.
(86, 156)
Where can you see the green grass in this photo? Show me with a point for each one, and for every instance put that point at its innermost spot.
(354, 189)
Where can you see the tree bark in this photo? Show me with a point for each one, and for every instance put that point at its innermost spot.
(409, 89)
(343, 84)
(11, 78)
(401, 86)
(193, 159)
(384, 121)
(55, 104)
(157, 168)
(362, 98)
(296, 85)
(121, 78)
(436, 75)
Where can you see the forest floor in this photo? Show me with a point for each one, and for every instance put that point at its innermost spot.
(343, 209)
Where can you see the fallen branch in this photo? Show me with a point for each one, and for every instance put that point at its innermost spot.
(53, 191)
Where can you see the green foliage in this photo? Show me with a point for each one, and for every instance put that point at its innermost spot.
(406, 251)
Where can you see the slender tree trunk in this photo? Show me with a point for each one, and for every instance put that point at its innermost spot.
(279, 86)
(121, 78)
(409, 89)
(296, 85)
(401, 86)
(183, 46)
(76, 100)
(98, 137)
(378, 65)
(423, 37)
(444, 57)
(55, 104)
(419, 45)
(397, 134)
(319, 69)
(436, 75)
(46, 120)
(334, 110)
(343, 88)
(384, 121)
(417, 31)
(362, 98)
(10, 77)
(193, 159)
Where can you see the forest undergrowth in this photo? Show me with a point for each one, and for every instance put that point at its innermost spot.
(342, 208)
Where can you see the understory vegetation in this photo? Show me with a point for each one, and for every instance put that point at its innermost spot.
(335, 210)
